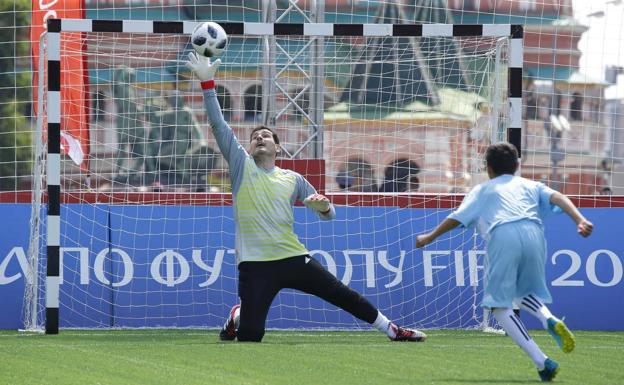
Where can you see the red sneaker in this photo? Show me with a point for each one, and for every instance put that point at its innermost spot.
(228, 331)
(404, 334)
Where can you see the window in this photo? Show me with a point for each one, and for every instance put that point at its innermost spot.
(531, 105)
(253, 102)
(400, 176)
(576, 107)
(527, 5)
(357, 175)
(556, 103)
(98, 106)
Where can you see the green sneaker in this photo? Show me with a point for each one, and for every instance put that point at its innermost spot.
(551, 368)
(562, 335)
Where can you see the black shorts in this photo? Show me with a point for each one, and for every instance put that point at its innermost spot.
(259, 283)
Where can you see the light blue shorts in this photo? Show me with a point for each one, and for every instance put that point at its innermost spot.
(515, 265)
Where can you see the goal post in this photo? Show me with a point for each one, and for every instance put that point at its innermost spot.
(344, 113)
(53, 179)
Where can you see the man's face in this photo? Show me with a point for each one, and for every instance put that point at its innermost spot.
(262, 143)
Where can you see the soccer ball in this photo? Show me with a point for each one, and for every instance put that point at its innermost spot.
(209, 39)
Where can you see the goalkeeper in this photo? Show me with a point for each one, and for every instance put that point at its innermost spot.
(269, 254)
(507, 211)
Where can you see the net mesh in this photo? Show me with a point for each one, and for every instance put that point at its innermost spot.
(143, 245)
(571, 140)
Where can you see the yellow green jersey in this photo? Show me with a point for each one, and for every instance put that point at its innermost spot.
(263, 199)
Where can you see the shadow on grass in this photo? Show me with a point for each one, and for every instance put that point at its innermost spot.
(484, 381)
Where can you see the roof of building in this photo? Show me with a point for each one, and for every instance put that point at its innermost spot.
(454, 104)
(578, 77)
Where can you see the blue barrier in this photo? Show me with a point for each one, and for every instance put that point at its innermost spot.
(135, 266)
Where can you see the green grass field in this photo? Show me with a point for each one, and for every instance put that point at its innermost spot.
(197, 357)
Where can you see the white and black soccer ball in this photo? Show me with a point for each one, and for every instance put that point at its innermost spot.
(209, 39)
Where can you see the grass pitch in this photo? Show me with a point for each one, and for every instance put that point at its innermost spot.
(184, 357)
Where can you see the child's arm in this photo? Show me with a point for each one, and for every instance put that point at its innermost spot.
(583, 226)
(447, 225)
(466, 214)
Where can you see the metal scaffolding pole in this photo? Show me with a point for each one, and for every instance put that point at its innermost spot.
(312, 72)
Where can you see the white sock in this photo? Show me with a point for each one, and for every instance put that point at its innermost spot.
(534, 306)
(383, 325)
(486, 316)
(516, 330)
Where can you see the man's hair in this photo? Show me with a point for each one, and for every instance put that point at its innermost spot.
(502, 157)
(275, 137)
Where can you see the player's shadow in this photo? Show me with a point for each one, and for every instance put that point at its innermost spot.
(484, 381)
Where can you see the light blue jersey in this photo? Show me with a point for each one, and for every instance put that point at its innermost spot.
(263, 199)
(507, 211)
(506, 198)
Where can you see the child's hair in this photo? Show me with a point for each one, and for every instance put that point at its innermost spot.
(275, 138)
(502, 157)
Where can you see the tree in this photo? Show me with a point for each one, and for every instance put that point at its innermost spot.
(15, 135)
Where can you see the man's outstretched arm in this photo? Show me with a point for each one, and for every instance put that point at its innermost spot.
(231, 149)
(205, 70)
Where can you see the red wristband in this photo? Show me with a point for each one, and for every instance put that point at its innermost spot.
(208, 85)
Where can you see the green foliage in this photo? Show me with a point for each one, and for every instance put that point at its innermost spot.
(15, 148)
(15, 78)
(14, 49)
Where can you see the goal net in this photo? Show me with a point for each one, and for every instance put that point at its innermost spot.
(389, 121)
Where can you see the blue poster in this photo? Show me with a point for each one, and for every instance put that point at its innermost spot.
(165, 266)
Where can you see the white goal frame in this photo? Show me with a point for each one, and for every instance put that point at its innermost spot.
(513, 32)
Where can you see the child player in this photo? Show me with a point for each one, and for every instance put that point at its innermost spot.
(507, 211)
